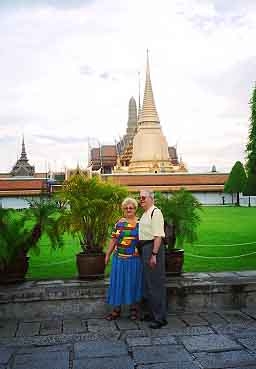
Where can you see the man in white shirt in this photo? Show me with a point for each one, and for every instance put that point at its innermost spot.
(151, 231)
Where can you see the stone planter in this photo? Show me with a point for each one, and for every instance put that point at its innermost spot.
(90, 266)
(16, 271)
(174, 262)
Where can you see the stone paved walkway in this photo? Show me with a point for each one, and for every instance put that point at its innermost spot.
(223, 339)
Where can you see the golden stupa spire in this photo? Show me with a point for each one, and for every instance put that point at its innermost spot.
(148, 112)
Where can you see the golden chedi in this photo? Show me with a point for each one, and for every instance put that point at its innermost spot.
(150, 147)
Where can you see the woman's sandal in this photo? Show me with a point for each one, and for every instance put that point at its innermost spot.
(113, 315)
(134, 313)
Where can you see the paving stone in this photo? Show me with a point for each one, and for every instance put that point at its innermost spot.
(57, 339)
(225, 359)
(135, 333)
(97, 325)
(172, 365)
(249, 343)
(41, 349)
(236, 330)
(212, 342)
(248, 273)
(245, 367)
(49, 283)
(213, 318)
(124, 362)
(236, 317)
(195, 275)
(230, 275)
(74, 326)
(126, 324)
(160, 354)
(186, 331)
(50, 327)
(8, 328)
(138, 341)
(175, 322)
(99, 349)
(28, 329)
(42, 360)
(193, 319)
(251, 313)
(5, 354)
(165, 340)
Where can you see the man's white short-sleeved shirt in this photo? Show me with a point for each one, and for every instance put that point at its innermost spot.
(149, 228)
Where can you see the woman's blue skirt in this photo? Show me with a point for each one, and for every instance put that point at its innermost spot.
(125, 281)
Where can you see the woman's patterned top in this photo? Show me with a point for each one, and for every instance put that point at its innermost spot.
(127, 236)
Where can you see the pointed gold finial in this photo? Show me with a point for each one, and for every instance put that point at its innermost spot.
(148, 112)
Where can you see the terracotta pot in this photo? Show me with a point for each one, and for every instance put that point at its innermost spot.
(174, 262)
(90, 266)
(16, 271)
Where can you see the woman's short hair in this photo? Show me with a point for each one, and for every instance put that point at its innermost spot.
(129, 200)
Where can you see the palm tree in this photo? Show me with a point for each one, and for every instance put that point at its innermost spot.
(181, 210)
(21, 232)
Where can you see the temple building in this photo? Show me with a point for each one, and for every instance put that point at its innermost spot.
(22, 166)
(150, 152)
(143, 148)
(22, 183)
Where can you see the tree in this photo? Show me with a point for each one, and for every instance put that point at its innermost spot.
(250, 186)
(251, 145)
(181, 210)
(236, 181)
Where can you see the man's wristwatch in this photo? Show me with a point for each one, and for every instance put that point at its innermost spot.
(154, 253)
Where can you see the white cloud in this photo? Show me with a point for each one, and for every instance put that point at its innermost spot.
(69, 71)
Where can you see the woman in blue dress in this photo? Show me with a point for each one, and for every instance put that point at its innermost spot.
(126, 274)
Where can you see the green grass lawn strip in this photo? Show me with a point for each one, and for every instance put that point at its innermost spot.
(220, 225)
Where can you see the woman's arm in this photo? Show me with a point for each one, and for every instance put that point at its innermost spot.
(110, 249)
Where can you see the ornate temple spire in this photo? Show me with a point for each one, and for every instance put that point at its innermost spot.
(139, 107)
(132, 114)
(22, 166)
(148, 112)
(23, 155)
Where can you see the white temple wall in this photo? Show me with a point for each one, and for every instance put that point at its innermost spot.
(15, 202)
(216, 198)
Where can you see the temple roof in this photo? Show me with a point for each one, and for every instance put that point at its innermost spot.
(148, 112)
(22, 166)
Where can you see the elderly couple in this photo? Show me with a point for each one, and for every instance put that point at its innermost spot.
(138, 264)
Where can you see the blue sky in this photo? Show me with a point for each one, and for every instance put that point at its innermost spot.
(68, 69)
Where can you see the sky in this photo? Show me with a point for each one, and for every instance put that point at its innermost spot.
(69, 67)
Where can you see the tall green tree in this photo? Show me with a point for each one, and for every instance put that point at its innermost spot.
(251, 145)
(236, 181)
(250, 186)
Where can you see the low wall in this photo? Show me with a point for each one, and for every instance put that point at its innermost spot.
(189, 292)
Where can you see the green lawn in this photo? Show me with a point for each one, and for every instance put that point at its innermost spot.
(220, 226)
(224, 226)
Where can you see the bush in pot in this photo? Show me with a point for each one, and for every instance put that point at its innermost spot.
(92, 207)
(20, 233)
(181, 212)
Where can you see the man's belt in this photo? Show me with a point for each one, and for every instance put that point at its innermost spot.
(144, 242)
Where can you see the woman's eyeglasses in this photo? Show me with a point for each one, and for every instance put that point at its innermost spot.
(129, 208)
(143, 198)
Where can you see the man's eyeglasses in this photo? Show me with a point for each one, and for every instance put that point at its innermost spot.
(143, 198)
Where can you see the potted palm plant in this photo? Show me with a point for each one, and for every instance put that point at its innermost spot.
(92, 207)
(181, 215)
(21, 232)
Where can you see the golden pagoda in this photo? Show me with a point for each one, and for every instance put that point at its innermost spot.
(150, 147)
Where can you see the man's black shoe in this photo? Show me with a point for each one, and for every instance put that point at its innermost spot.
(147, 318)
(157, 324)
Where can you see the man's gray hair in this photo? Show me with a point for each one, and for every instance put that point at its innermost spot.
(149, 193)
